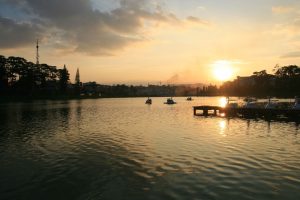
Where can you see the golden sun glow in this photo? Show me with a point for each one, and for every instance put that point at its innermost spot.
(222, 70)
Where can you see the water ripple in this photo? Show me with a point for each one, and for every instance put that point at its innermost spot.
(124, 149)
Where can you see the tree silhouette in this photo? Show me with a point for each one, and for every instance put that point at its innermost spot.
(64, 77)
(23, 78)
(3, 74)
(283, 83)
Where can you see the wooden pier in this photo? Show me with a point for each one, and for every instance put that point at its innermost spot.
(242, 111)
(205, 110)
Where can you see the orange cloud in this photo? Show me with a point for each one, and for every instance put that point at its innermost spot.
(282, 9)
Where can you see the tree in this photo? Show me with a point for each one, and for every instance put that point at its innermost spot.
(64, 78)
(262, 73)
(3, 73)
(287, 71)
(287, 80)
(263, 83)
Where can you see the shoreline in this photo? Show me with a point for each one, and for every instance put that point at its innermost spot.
(30, 99)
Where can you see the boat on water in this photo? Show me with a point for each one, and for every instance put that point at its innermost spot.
(170, 101)
(189, 99)
(231, 103)
(250, 102)
(296, 106)
(249, 99)
(272, 104)
(148, 101)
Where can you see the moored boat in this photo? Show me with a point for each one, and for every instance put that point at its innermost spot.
(189, 99)
(148, 101)
(296, 106)
(272, 104)
(231, 103)
(170, 101)
(250, 102)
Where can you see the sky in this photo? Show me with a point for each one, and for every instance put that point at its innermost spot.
(153, 41)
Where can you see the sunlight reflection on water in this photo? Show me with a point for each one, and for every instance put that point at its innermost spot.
(222, 125)
(223, 102)
(124, 149)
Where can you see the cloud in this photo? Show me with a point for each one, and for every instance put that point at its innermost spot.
(288, 22)
(83, 27)
(296, 22)
(282, 9)
(14, 34)
(196, 20)
(201, 8)
(289, 29)
(295, 54)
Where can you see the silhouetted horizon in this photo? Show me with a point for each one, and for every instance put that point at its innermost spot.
(22, 78)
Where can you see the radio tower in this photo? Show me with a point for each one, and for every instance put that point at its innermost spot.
(37, 52)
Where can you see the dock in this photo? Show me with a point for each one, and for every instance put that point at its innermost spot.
(206, 109)
(242, 111)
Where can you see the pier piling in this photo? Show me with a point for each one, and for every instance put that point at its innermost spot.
(242, 111)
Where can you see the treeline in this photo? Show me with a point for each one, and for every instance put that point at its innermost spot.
(285, 82)
(92, 89)
(122, 90)
(19, 77)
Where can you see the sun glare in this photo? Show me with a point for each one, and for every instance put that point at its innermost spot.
(222, 70)
(223, 102)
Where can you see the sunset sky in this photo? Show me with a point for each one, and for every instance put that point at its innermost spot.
(141, 41)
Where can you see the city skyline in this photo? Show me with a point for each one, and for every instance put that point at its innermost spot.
(131, 41)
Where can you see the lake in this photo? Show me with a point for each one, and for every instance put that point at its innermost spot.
(124, 149)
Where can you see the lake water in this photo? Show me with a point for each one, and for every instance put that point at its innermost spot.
(124, 149)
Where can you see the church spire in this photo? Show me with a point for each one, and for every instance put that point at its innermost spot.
(77, 77)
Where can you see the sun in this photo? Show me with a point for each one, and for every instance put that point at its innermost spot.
(222, 70)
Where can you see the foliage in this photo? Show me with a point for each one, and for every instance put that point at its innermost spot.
(284, 82)
(63, 79)
(21, 77)
(18, 77)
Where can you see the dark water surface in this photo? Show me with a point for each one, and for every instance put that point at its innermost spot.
(124, 149)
